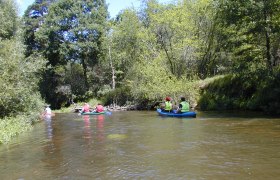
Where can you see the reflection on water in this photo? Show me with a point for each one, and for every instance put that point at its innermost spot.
(142, 145)
(52, 145)
(87, 129)
(49, 128)
(100, 126)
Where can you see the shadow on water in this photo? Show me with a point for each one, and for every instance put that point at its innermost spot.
(232, 114)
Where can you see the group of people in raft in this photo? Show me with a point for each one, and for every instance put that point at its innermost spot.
(167, 106)
(98, 109)
(86, 108)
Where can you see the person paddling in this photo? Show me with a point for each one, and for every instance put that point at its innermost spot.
(48, 110)
(184, 106)
(167, 106)
(99, 108)
(86, 108)
(47, 114)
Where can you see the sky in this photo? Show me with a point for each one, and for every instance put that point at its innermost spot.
(115, 6)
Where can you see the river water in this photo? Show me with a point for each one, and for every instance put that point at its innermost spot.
(143, 145)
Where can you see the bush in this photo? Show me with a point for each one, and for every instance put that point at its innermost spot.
(20, 102)
(120, 96)
(18, 83)
(258, 91)
(12, 126)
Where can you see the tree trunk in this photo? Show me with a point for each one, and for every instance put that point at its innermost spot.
(85, 73)
(268, 54)
(113, 69)
(267, 39)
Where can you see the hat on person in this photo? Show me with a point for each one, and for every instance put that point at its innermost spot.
(168, 99)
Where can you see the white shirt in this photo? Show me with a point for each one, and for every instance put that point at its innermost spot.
(48, 110)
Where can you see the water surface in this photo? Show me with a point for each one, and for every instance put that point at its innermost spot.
(143, 145)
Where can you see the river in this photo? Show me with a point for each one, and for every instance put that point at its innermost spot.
(143, 145)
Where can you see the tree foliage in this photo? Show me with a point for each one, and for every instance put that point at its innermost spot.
(158, 50)
(71, 34)
(19, 81)
(251, 30)
(251, 37)
(153, 81)
(8, 19)
(33, 19)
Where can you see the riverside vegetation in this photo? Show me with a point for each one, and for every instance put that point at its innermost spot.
(218, 54)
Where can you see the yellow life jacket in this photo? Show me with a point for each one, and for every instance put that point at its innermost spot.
(185, 106)
(168, 106)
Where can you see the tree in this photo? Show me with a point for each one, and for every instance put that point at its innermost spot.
(252, 30)
(73, 32)
(18, 82)
(8, 19)
(125, 47)
(164, 22)
(33, 19)
(186, 34)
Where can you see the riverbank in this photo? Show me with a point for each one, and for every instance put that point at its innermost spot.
(136, 104)
(13, 126)
(259, 92)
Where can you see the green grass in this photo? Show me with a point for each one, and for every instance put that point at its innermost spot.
(11, 127)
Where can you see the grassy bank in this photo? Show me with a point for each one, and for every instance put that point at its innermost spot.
(13, 126)
(257, 92)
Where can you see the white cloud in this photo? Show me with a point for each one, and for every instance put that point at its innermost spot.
(20, 2)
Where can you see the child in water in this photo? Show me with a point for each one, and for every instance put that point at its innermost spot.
(48, 110)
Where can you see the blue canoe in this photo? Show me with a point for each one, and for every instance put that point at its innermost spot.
(173, 114)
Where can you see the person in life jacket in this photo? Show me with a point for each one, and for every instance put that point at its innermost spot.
(184, 106)
(99, 108)
(167, 105)
(85, 108)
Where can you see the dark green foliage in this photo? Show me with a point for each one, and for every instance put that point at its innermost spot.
(267, 97)
(158, 51)
(20, 101)
(223, 94)
(33, 19)
(72, 33)
(258, 92)
(74, 77)
(47, 85)
(18, 83)
(120, 96)
(251, 31)
(229, 92)
(251, 37)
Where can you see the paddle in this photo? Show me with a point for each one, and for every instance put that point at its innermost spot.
(108, 112)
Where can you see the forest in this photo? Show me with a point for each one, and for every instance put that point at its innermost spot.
(219, 54)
